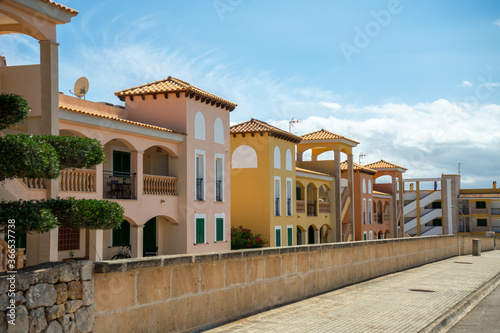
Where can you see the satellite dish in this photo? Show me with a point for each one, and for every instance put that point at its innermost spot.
(81, 87)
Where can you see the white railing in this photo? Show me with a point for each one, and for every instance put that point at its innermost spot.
(78, 180)
(160, 185)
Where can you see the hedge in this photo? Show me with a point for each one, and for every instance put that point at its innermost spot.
(37, 216)
(27, 156)
(76, 152)
(13, 109)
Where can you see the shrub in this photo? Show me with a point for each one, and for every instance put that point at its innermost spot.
(27, 156)
(242, 238)
(37, 216)
(76, 152)
(13, 109)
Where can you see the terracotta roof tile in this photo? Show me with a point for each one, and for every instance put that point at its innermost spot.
(169, 85)
(110, 117)
(60, 6)
(380, 193)
(312, 172)
(324, 135)
(357, 167)
(384, 165)
(258, 126)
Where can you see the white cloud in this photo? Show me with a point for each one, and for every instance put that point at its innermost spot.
(497, 22)
(331, 105)
(465, 84)
(492, 84)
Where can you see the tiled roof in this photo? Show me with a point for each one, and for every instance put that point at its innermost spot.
(110, 117)
(258, 126)
(61, 7)
(312, 172)
(384, 165)
(174, 85)
(380, 193)
(357, 167)
(324, 135)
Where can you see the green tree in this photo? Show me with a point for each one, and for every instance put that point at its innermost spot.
(43, 156)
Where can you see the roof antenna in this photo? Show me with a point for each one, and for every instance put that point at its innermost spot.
(291, 122)
(360, 156)
(459, 164)
(81, 87)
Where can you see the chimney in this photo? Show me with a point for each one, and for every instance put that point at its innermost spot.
(495, 184)
(3, 61)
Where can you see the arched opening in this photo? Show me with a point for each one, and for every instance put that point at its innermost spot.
(169, 236)
(300, 197)
(312, 200)
(324, 201)
(149, 244)
(277, 158)
(311, 231)
(380, 235)
(324, 233)
(387, 234)
(379, 212)
(199, 126)
(218, 131)
(119, 180)
(244, 157)
(160, 171)
(300, 233)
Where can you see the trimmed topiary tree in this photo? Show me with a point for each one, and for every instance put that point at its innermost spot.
(43, 156)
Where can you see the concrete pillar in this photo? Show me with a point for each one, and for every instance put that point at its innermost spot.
(95, 245)
(476, 247)
(401, 203)
(470, 217)
(490, 219)
(394, 210)
(137, 168)
(338, 198)
(317, 237)
(350, 177)
(49, 76)
(99, 180)
(136, 240)
(48, 246)
(299, 157)
(418, 209)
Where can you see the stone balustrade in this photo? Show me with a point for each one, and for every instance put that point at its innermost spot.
(160, 185)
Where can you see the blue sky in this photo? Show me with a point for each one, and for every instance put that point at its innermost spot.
(416, 82)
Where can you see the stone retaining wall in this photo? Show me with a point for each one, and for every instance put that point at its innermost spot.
(189, 292)
(52, 297)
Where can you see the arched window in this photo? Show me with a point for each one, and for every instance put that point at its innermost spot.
(277, 158)
(364, 186)
(244, 157)
(288, 160)
(218, 131)
(369, 186)
(199, 126)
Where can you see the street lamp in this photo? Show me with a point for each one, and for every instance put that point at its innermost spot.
(462, 219)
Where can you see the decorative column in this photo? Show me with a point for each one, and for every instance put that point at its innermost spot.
(394, 210)
(350, 184)
(401, 203)
(99, 180)
(137, 168)
(338, 198)
(137, 232)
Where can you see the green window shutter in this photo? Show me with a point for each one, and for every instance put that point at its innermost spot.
(121, 161)
(290, 236)
(200, 231)
(278, 237)
(149, 234)
(219, 229)
(121, 235)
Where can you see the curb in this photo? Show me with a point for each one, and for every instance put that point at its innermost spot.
(451, 317)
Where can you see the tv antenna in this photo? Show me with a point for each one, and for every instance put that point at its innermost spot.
(459, 165)
(361, 156)
(291, 122)
(81, 87)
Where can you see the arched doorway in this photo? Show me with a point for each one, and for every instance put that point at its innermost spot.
(311, 235)
(149, 245)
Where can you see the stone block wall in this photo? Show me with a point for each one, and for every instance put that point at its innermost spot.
(52, 297)
(189, 292)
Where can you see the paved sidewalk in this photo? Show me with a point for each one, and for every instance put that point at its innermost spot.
(386, 304)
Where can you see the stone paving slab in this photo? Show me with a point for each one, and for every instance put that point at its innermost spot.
(384, 304)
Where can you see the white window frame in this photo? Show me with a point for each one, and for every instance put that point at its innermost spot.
(277, 161)
(289, 195)
(197, 153)
(281, 236)
(369, 186)
(204, 217)
(364, 185)
(223, 217)
(200, 133)
(371, 235)
(216, 157)
(277, 178)
(364, 211)
(288, 227)
(370, 211)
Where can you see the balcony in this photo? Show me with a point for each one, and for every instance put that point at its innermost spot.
(386, 218)
(324, 207)
(160, 185)
(378, 217)
(311, 208)
(199, 189)
(495, 211)
(76, 180)
(479, 211)
(119, 185)
(300, 206)
(218, 190)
